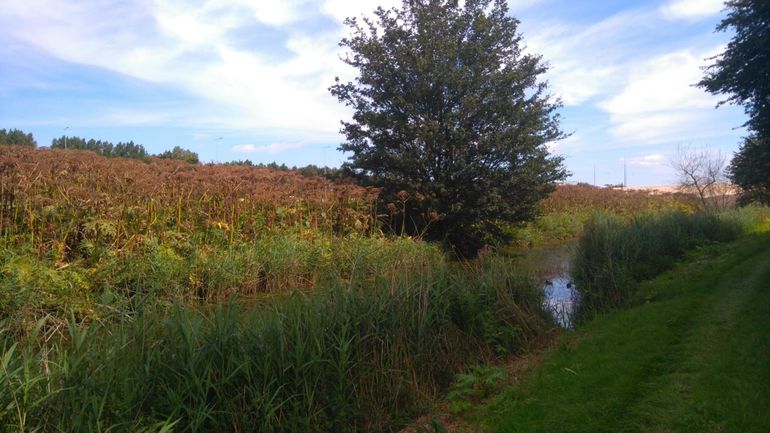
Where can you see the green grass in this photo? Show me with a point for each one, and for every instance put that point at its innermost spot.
(692, 356)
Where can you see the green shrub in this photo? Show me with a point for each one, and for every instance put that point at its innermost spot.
(477, 383)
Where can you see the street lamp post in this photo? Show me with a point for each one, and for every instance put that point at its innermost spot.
(65, 136)
(216, 148)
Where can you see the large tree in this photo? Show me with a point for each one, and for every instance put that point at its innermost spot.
(742, 72)
(450, 118)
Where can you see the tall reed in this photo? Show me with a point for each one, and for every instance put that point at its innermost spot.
(361, 356)
(614, 253)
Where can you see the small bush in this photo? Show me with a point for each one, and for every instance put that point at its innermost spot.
(474, 385)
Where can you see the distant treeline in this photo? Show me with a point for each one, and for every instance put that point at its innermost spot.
(103, 148)
(16, 137)
(121, 149)
(310, 170)
(133, 150)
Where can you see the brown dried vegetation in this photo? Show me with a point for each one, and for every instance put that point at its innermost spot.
(55, 200)
(581, 198)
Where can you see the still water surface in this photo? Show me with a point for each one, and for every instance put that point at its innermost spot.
(550, 265)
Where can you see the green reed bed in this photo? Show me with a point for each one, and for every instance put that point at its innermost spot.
(361, 355)
(614, 253)
(174, 268)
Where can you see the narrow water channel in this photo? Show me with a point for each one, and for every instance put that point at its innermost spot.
(550, 266)
(561, 299)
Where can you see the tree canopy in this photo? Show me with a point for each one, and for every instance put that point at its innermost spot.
(121, 150)
(16, 137)
(104, 148)
(742, 72)
(750, 169)
(450, 118)
(180, 154)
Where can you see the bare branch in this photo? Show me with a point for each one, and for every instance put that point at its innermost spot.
(702, 172)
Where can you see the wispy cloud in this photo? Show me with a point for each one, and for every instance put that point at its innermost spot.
(659, 99)
(133, 117)
(655, 160)
(341, 9)
(273, 148)
(179, 44)
(590, 61)
(691, 9)
(258, 71)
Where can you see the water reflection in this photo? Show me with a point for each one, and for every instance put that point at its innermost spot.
(561, 299)
(550, 265)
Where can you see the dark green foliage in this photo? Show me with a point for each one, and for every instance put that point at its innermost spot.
(121, 149)
(180, 154)
(104, 148)
(750, 169)
(614, 254)
(450, 110)
(246, 162)
(313, 170)
(310, 170)
(742, 72)
(474, 385)
(16, 137)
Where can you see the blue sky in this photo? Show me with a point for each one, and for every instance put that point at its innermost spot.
(255, 73)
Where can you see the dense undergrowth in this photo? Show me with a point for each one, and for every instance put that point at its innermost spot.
(672, 359)
(614, 254)
(166, 296)
(565, 212)
(357, 357)
(88, 235)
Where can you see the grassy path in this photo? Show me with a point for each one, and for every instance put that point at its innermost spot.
(695, 357)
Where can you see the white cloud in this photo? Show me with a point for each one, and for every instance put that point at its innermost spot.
(659, 99)
(655, 160)
(615, 65)
(277, 12)
(341, 9)
(588, 62)
(691, 9)
(179, 44)
(186, 45)
(273, 148)
(662, 83)
(133, 117)
(520, 5)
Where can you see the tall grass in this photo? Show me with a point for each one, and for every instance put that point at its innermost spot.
(614, 253)
(355, 357)
(115, 282)
(566, 210)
